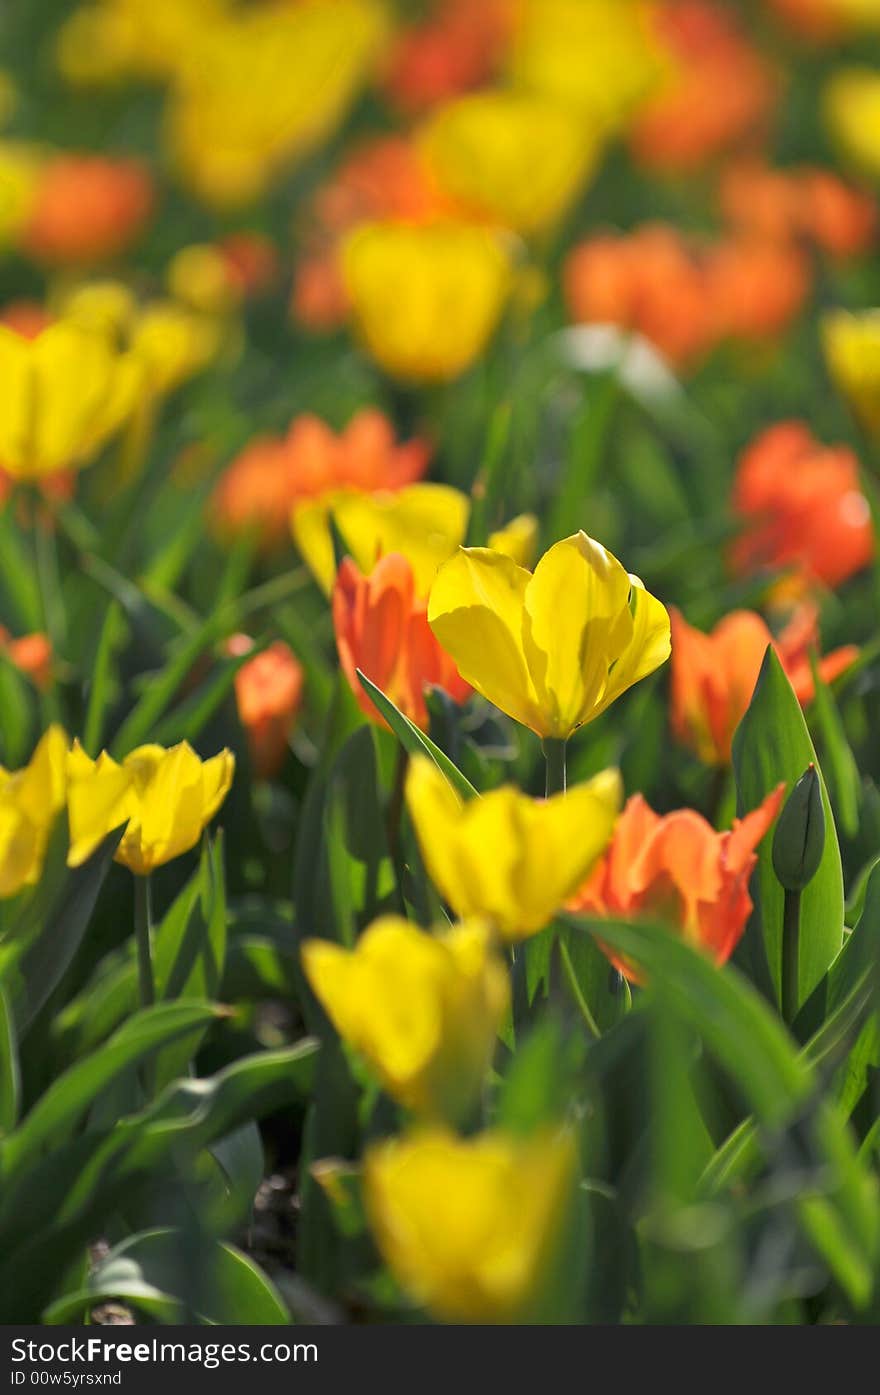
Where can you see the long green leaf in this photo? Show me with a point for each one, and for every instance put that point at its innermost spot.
(413, 740)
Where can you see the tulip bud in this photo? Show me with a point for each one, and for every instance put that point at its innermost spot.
(799, 840)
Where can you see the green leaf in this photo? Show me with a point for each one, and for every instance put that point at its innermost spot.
(843, 772)
(583, 463)
(490, 479)
(151, 1272)
(10, 1082)
(772, 745)
(56, 1113)
(17, 723)
(101, 685)
(413, 740)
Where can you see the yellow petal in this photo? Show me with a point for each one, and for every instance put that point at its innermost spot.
(476, 611)
(98, 801)
(649, 647)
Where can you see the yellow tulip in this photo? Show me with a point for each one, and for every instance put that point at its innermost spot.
(555, 647)
(198, 276)
(600, 58)
(518, 539)
(174, 343)
(20, 167)
(507, 858)
(107, 306)
(108, 39)
(852, 352)
(852, 113)
(165, 798)
(424, 522)
(303, 64)
(470, 1227)
(511, 157)
(64, 395)
(30, 800)
(425, 298)
(422, 1009)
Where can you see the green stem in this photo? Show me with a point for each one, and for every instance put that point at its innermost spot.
(571, 979)
(143, 931)
(791, 927)
(554, 755)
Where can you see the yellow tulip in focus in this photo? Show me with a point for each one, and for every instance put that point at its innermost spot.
(852, 352)
(600, 58)
(424, 522)
(302, 65)
(555, 647)
(422, 1009)
(470, 1227)
(511, 157)
(852, 113)
(505, 857)
(64, 394)
(167, 798)
(425, 298)
(30, 800)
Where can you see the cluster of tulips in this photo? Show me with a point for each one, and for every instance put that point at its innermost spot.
(534, 964)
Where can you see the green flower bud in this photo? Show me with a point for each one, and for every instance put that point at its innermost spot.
(799, 840)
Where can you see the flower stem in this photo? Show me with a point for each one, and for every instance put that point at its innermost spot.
(554, 755)
(143, 930)
(791, 925)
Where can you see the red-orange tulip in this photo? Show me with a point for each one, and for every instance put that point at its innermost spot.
(382, 629)
(803, 505)
(31, 654)
(268, 691)
(756, 287)
(720, 90)
(456, 48)
(272, 474)
(679, 871)
(87, 208)
(806, 203)
(714, 675)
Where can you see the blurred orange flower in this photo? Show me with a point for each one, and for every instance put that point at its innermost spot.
(804, 203)
(650, 281)
(87, 208)
(31, 654)
(273, 474)
(457, 47)
(756, 287)
(268, 691)
(27, 317)
(714, 675)
(803, 505)
(817, 20)
(382, 629)
(719, 90)
(676, 869)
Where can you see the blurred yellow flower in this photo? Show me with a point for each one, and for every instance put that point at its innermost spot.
(112, 38)
(424, 522)
(30, 800)
(198, 276)
(109, 307)
(505, 857)
(65, 393)
(174, 343)
(167, 798)
(600, 58)
(423, 1009)
(555, 647)
(302, 65)
(852, 351)
(425, 298)
(20, 167)
(852, 113)
(511, 157)
(518, 539)
(470, 1227)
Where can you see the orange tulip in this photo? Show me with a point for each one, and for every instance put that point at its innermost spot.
(382, 629)
(650, 281)
(719, 91)
(677, 870)
(756, 287)
(458, 47)
(819, 21)
(273, 474)
(804, 203)
(268, 691)
(803, 505)
(87, 208)
(31, 654)
(714, 675)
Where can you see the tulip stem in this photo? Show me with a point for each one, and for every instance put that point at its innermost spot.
(143, 931)
(572, 980)
(554, 755)
(791, 926)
